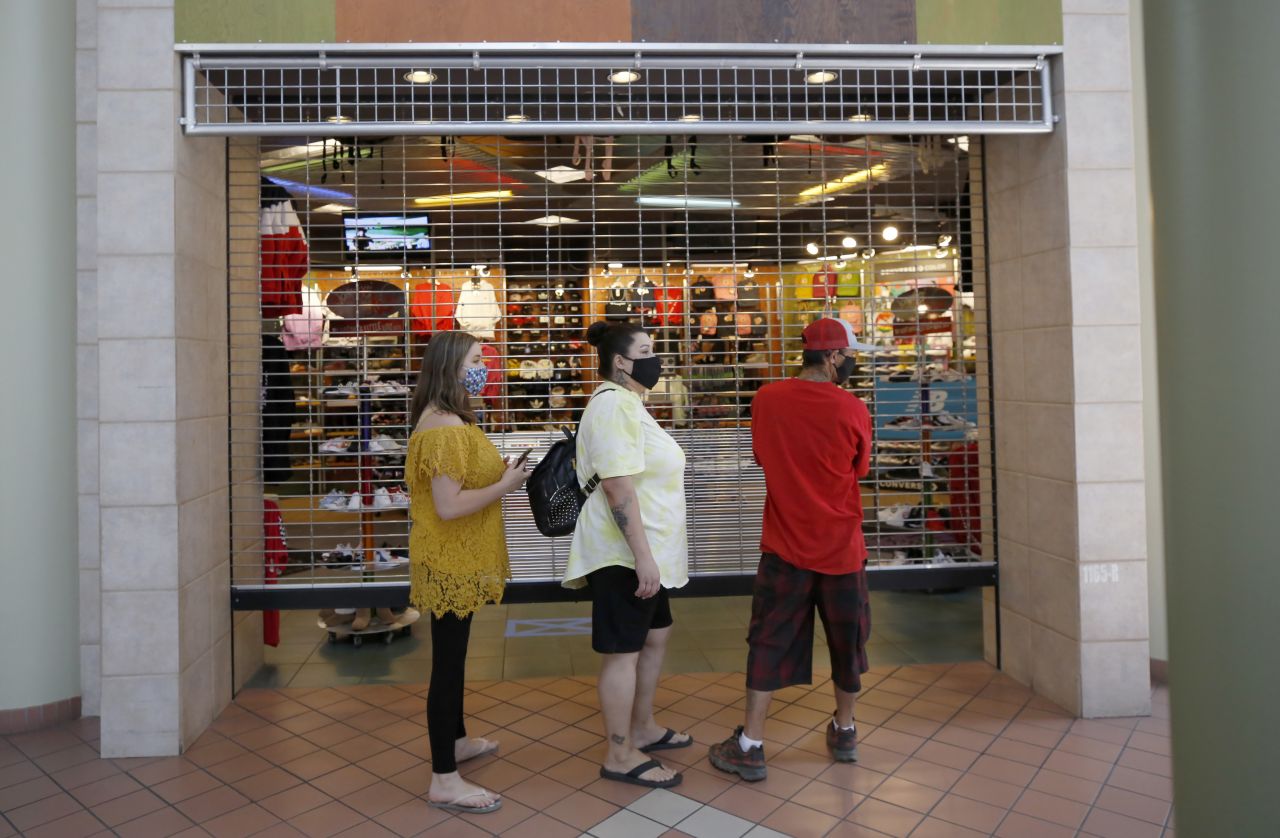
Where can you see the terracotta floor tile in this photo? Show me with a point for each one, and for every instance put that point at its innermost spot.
(455, 828)
(344, 780)
(1133, 805)
(186, 786)
(512, 814)
(620, 794)
(886, 700)
(949, 755)
(1048, 807)
(538, 792)
(329, 819)
(314, 765)
(43, 742)
(247, 820)
(826, 798)
(536, 726)
(885, 817)
(537, 757)
(987, 790)
(848, 829)
(979, 722)
(21, 771)
(1151, 742)
(1101, 731)
(212, 804)
(290, 803)
(968, 813)
(262, 737)
(376, 799)
(892, 740)
(935, 828)
(581, 810)
(1017, 825)
(901, 686)
(1012, 749)
(1032, 735)
(127, 808)
(904, 722)
(1007, 771)
(928, 774)
(854, 777)
(414, 816)
(367, 829)
(331, 734)
(1078, 766)
(216, 753)
(161, 770)
(800, 821)
(908, 795)
(108, 788)
(541, 826)
(72, 826)
(76, 776)
(746, 801)
(263, 785)
(1152, 785)
(963, 738)
(939, 694)
(1106, 824)
(499, 775)
(51, 808)
(238, 768)
(287, 750)
(574, 772)
(158, 824)
(1146, 761)
(1074, 743)
(66, 758)
(1064, 785)
(30, 791)
(704, 785)
(360, 747)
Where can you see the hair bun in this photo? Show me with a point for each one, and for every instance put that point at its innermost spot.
(597, 331)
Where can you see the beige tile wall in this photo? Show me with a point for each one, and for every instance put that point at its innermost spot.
(1068, 385)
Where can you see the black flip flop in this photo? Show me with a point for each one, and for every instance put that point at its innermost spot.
(632, 777)
(665, 743)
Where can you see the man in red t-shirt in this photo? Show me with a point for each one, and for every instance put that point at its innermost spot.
(813, 440)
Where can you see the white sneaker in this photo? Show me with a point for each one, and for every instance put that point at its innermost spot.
(382, 498)
(385, 560)
(355, 504)
(384, 443)
(950, 420)
(399, 499)
(335, 446)
(895, 516)
(336, 500)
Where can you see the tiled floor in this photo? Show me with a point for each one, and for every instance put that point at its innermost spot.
(710, 635)
(946, 750)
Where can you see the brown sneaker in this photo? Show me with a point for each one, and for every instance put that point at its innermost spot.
(729, 756)
(843, 744)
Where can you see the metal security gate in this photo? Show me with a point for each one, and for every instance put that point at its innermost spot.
(722, 203)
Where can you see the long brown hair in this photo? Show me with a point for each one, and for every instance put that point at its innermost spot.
(438, 384)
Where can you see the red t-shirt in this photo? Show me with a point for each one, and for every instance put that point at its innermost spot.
(813, 441)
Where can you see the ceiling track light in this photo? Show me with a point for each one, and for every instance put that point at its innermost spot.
(848, 242)
(420, 77)
(811, 248)
(889, 233)
(624, 77)
(821, 77)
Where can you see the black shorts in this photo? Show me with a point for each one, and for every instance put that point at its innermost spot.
(620, 621)
(781, 635)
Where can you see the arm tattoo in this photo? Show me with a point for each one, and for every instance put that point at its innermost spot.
(618, 740)
(620, 516)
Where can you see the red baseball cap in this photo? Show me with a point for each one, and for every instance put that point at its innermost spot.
(829, 333)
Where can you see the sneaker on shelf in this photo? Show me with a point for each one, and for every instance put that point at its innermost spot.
(940, 557)
(338, 445)
(903, 422)
(334, 501)
(343, 557)
(926, 471)
(381, 498)
(388, 388)
(384, 443)
(947, 419)
(399, 497)
(894, 515)
(355, 503)
(384, 559)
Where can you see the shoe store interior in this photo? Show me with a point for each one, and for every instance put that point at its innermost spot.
(349, 253)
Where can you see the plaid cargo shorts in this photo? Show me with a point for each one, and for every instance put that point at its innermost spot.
(781, 633)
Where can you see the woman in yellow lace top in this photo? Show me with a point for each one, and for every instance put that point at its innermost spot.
(457, 549)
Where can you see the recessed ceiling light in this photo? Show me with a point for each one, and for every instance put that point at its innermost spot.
(561, 174)
(860, 117)
(848, 242)
(678, 202)
(552, 220)
(615, 266)
(420, 76)
(889, 233)
(691, 117)
(821, 77)
(811, 248)
(624, 77)
(516, 117)
(338, 119)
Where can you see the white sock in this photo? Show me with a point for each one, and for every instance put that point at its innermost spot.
(746, 743)
(837, 726)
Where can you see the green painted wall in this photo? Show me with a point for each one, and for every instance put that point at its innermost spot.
(1213, 114)
(248, 21)
(989, 21)
(39, 591)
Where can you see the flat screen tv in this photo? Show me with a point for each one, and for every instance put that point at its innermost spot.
(385, 236)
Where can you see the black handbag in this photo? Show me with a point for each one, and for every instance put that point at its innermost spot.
(555, 497)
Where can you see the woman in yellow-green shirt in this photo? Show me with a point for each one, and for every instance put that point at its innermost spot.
(629, 548)
(457, 549)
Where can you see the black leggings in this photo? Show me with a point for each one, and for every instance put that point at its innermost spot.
(449, 636)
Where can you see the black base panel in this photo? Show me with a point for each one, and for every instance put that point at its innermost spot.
(283, 598)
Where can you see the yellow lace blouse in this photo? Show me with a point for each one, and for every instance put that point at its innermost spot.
(456, 565)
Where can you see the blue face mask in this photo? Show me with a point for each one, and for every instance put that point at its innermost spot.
(475, 379)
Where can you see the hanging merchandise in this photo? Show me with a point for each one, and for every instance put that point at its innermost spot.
(284, 255)
(825, 283)
(431, 307)
(367, 306)
(275, 557)
(310, 329)
(922, 311)
(584, 155)
(724, 287)
(618, 303)
(477, 310)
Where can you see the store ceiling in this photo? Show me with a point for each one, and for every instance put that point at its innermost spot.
(771, 190)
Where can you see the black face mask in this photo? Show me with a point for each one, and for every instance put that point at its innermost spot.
(646, 371)
(845, 370)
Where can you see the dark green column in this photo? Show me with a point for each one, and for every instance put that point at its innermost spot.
(1213, 76)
